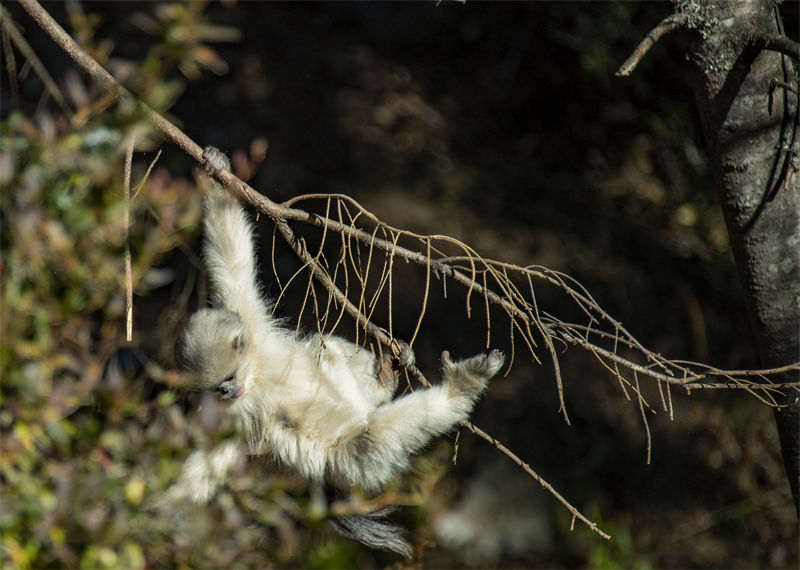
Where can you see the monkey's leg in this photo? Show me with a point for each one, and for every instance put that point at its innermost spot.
(389, 375)
(395, 431)
(388, 371)
(400, 428)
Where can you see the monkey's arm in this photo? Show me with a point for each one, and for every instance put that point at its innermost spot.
(204, 472)
(229, 252)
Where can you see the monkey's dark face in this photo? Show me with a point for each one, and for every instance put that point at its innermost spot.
(212, 346)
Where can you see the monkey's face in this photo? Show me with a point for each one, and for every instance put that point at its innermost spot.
(212, 346)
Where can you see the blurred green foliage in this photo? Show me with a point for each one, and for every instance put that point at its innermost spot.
(63, 302)
(615, 554)
(77, 462)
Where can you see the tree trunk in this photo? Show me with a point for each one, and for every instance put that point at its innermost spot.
(749, 119)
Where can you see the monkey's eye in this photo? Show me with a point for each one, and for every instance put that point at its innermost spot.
(238, 341)
(227, 388)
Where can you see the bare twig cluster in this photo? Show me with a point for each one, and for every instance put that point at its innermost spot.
(367, 246)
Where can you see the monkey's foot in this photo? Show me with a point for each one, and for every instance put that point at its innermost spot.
(403, 355)
(485, 365)
(215, 160)
(388, 374)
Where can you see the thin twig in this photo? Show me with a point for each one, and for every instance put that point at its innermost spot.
(30, 56)
(668, 24)
(527, 468)
(128, 269)
(11, 62)
(783, 85)
(644, 416)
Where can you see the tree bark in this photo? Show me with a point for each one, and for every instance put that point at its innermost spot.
(750, 124)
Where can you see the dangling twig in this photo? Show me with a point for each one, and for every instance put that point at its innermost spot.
(128, 269)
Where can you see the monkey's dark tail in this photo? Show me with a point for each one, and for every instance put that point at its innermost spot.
(374, 530)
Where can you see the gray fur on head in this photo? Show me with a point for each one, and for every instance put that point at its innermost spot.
(210, 345)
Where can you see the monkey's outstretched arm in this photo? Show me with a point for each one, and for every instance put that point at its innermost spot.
(228, 249)
(204, 472)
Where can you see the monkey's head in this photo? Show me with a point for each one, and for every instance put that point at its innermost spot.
(212, 346)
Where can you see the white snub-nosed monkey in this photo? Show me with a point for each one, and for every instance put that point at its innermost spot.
(322, 409)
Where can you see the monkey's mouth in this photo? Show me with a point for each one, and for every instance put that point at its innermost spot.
(230, 389)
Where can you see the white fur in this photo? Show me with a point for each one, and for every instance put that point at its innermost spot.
(320, 410)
